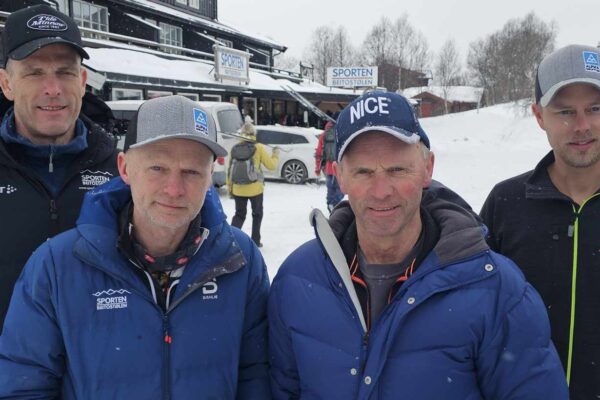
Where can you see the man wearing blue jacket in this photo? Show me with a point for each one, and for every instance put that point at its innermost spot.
(399, 296)
(153, 295)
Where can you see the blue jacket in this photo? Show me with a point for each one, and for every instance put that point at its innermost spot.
(465, 325)
(82, 322)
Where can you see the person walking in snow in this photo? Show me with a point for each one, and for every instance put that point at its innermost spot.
(399, 295)
(245, 179)
(153, 295)
(548, 219)
(51, 154)
(324, 159)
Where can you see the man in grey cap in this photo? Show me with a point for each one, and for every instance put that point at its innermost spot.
(548, 219)
(50, 153)
(153, 294)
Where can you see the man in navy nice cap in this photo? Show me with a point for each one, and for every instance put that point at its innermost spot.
(399, 293)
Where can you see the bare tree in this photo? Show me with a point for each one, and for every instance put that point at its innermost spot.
(398, 50)
(343, 51)
(505, 62)
(286, 62)
(321, 51)
(447, 69)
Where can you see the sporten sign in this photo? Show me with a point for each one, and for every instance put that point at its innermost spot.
(352, 76)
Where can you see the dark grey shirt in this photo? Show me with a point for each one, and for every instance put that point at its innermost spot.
(380, 278)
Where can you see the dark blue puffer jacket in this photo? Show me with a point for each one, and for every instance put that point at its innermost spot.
(83, 325)
(465, 325)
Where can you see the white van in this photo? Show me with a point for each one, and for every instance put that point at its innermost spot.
(226, 115)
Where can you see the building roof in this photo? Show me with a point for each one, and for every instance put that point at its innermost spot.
(135, 63)
(212, 24)
(462, 94)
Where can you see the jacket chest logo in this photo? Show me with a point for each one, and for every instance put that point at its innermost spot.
(209, 290)
(8, 189)
(90, 179)
(111, 299)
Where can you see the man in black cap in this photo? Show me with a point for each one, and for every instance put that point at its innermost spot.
(548, 219)
(49, 157)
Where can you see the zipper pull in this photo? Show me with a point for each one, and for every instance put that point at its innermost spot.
(168, 339)
(571, 230)
(51, 164)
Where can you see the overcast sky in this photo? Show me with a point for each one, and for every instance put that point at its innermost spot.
(291, 22)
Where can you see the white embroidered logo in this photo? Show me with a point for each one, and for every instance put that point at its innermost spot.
(106, 299)
(91, 179)
(209, 290)
(8, 189)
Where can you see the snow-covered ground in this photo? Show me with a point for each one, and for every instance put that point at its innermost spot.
(474, 150)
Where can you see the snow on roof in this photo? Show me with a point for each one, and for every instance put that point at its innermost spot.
(463, 94)
(202, 21)
(130, 62)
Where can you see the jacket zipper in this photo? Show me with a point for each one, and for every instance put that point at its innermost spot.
(166, 358)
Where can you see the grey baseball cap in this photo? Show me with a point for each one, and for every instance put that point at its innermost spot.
(566, 66)
(173, 117)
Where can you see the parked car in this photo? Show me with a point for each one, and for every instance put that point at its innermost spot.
(297, 155)
(226, 115)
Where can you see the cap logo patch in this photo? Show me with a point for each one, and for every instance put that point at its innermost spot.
(591, 61)
(45, 22)
(201, 121)
(370, 105)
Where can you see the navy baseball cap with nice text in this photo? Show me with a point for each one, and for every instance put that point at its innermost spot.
(378, 111)
(29, 29)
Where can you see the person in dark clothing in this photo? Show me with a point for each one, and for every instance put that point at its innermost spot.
(50, 155)
(548, 220)
(399, 295)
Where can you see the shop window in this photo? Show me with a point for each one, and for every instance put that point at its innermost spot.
(152, 94)
(127, 94)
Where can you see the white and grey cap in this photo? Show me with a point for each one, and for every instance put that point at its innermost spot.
(173, 117)
(566, 66)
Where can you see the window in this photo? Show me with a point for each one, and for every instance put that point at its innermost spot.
(191, 96)
(91, 16)
(274, 137)
(211, 97)
(152, 94)
(171, 35)
(229, 120)
(194, 3)
(63, 6)
(127, 94)
(181, 2)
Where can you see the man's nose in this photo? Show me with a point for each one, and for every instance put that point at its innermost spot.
(174, 186)
(52, 85)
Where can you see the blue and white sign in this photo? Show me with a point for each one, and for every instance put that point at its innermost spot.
(201, 121)
(231, 64)
(591, 61)
(352, 76)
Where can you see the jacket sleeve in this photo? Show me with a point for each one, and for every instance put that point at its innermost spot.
(284, 373)
(253, 374)
(487, 216)
(319, 152)
(519, 361)
(32, 351)
(269, 161)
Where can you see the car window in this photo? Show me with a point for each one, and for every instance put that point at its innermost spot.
(276, 137)
(229, 120)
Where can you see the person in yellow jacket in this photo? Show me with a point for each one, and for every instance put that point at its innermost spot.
(250, 189)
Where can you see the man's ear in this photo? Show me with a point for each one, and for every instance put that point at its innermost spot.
(337, 170)
(83, 80)
(6, 85)
(536, 109)
(122, 166)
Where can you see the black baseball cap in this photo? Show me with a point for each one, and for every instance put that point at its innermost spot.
(29, 29)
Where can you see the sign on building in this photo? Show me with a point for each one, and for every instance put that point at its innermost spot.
(352, 76)
(231, 64)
